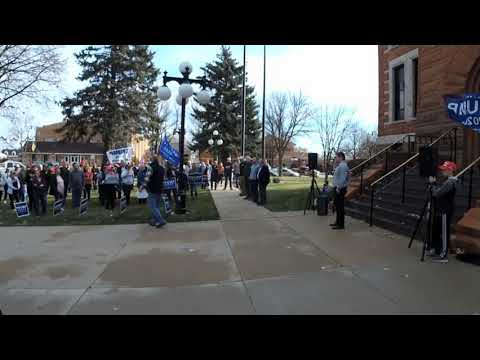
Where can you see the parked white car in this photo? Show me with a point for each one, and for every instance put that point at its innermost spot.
(285, 172)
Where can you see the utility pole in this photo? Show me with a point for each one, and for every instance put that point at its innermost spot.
(263, 107)
(244, 100)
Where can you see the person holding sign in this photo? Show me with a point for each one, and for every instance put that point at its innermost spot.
(40, 191)
(109, 187)
(13, 188)
(127, 178)
(155, 189)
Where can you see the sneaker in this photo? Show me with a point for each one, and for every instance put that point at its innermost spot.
(440, 259)
(159, 225)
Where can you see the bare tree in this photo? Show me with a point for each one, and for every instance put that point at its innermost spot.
(22, 129)
(368, 145)
(287, 116)
(355, 136)
(332, 123)
(27, 71)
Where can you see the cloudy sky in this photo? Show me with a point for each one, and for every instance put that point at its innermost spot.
(328, 74)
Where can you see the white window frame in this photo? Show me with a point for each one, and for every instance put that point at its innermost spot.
(407, 61)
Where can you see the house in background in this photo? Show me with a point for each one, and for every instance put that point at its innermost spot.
(49, 146)
(12, 154)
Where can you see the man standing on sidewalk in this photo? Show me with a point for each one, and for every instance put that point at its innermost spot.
(253, 180)
(340, 184)
(263, 181)
(228, 174)
(154, 181)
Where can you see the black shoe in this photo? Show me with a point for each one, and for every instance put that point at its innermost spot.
(159, 225)
(338, 227)
(334, 224)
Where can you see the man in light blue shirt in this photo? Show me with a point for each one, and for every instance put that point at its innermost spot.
(253, 180)
(341, 177)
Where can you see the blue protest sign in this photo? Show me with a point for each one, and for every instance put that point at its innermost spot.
(195, 179)
(21, 208)
(123, 204)
(465, 110)
(58, 207)
(166, 203)
(118, 155)
(169, 153)
(83, 207)
(170, 184)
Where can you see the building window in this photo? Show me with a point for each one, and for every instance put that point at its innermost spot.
(399, 92)
(403, 87)
(415, 86)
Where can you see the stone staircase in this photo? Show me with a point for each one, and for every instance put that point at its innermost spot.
(391, 214)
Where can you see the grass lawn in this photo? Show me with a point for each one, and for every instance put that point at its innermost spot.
(290, 194)
(201, 209)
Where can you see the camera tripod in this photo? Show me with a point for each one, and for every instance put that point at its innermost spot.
(312, 195)
(428, 208)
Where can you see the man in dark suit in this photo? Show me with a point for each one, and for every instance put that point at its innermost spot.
(228, 174)
(263, 181)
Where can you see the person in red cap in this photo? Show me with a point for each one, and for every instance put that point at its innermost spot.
(444, 200)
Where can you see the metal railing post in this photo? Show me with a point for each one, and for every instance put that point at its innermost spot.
(455, 145)
(371, 204)
(470, 189)
(361, 180)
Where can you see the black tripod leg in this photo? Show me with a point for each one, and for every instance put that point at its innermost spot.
(428, 235)
(417, 226)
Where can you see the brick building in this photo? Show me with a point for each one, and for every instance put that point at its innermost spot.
(413, 81)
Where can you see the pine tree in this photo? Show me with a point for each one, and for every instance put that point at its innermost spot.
(224, 112)
(120, 99)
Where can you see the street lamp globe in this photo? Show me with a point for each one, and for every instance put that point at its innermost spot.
(215, 132)
(185, 90)
(210, 142)
(185, 67)
(219, 142)
(179, 100)
(164, 93)
(203, 97)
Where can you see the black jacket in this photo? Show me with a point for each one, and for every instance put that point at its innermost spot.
(444, 196)
(155, 181)
(228, 168)
(246, 170)
(64, 173)
(264, 175)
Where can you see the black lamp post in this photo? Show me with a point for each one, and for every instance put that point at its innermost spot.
(185, 91)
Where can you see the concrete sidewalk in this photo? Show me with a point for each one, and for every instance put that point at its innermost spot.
(252, 261)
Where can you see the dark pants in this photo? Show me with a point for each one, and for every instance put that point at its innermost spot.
(39, 202)
(87, 191)
(142, 201)
(339, 202)
(30, 197)
(13, 199)
(441, 233)
(228, 179)
(4, 192)
(262, 194)
(76, 197)
(127, 189)
(237, 177)
(65, 191)
(109, 191)
(101, 194)
(119, 190)
(1, 194)
(253, 190)
(212, 182)
(247, 187)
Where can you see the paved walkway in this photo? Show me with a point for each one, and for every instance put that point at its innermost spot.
(252, 261)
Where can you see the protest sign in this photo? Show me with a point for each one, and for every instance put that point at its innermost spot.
(170, 184)
(116, 156)
(58, 207)
(21, 208)
(195, 179)
(83, 207)
(123, 204)
(465, 110)
(166, 202)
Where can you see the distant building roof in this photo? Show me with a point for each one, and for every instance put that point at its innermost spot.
(64, 148)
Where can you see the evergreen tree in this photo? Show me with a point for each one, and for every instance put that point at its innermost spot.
(120, 98)
(224, 112)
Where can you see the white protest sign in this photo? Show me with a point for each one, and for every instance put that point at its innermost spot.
(117, 155)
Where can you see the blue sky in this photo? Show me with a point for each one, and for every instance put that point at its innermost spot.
(327, 74)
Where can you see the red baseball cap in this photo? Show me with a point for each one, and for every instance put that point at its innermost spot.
(448, 165)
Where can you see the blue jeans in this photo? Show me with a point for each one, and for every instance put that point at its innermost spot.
(154, 205)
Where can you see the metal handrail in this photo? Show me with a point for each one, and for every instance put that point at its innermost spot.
(380, 153)
(403, 166)
(470, 183)
(475, 162)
